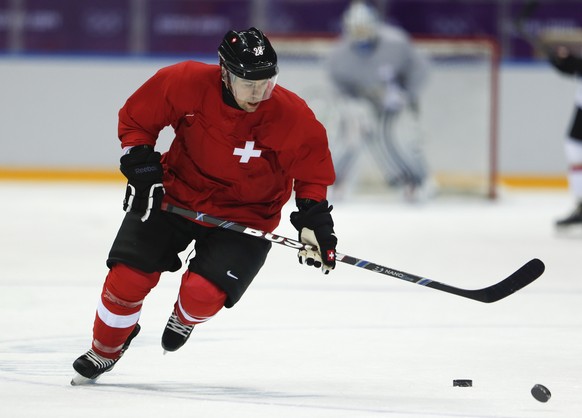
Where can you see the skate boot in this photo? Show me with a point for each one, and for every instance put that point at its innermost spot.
(575, 218)
(91, 365)
(175, 334)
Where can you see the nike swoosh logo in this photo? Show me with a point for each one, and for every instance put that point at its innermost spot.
(229, 274)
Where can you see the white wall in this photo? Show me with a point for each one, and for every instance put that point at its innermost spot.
(62, 113)
(536, 105)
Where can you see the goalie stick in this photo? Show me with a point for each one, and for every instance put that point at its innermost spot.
(525, 275)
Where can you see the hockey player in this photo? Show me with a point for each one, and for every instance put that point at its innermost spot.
(242, 145)
(376, 62)
(566, 62)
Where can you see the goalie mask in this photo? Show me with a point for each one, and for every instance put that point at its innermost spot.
(249, 65)
(360, 24)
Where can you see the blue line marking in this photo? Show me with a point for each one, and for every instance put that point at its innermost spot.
(362, 263)
(424, 282)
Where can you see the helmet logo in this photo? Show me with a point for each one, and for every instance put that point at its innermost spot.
(258, 50)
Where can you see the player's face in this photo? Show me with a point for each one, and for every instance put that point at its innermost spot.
(249, 93)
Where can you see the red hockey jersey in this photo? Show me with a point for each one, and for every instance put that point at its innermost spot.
(225, 161)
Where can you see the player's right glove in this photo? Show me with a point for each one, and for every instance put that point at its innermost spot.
(315, 225)
(563, 60)
(144, 172)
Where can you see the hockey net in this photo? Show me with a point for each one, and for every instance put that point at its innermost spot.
(457, 128)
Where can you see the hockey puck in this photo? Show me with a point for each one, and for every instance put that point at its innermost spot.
(541, 393)
(463, 383)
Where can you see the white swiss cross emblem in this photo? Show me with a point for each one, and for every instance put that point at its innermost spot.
(247, 152)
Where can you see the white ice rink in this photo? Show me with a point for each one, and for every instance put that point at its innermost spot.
(300, 344)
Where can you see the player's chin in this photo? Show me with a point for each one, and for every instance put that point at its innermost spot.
(251, 106)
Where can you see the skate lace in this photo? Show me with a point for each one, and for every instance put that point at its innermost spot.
(175, 325)
(98, 361)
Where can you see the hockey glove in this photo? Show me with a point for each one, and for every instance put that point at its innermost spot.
(144, 192)
(563, 60)
(315, 225)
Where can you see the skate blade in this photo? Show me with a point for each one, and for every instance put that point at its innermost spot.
(79, 380)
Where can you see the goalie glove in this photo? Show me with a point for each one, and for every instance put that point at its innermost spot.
(144, 172)
(563, 60)
(315, 225)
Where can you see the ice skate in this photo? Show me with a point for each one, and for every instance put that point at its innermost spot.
(175, 334)
(575, 218)
(91, 365)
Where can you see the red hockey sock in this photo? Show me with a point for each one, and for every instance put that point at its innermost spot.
(198, 300)
(119, 307)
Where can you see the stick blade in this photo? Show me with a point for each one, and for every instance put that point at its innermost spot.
(525, 275)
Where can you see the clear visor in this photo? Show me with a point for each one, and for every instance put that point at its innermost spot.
(252, 91)
(360, 32)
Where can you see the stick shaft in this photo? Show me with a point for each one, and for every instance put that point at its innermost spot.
(516, 281)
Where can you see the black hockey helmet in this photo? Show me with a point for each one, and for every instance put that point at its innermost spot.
(248, 54)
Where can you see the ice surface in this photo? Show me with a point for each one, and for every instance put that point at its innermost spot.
(301, 344)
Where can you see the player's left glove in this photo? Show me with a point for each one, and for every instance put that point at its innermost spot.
(563, 60)
(315, 225)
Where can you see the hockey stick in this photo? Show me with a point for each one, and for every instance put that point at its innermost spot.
(516, 281)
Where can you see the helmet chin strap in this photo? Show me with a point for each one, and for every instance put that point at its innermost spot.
(224, 76)
(228, 95)
(226, 81)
